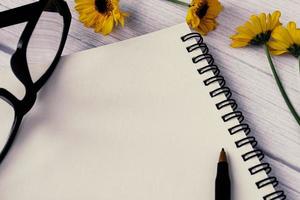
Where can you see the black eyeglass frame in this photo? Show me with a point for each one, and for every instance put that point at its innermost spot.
(31, 14)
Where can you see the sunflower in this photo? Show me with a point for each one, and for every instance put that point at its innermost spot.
(202, 15)
(102, 15)
(285, 40)
(257, 30)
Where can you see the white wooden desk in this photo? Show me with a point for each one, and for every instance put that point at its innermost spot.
(246, 70)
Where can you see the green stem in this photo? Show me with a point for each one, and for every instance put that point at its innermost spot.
(281, 88)
(180, 2)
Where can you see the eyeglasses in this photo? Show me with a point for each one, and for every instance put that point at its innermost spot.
(13, 110)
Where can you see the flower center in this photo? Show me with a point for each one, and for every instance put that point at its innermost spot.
(261, 38)
(102, 6)
(202, 10)
(294, 50)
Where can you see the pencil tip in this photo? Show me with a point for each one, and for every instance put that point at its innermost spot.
(223, 157)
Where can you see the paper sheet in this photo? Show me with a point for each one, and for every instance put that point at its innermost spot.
(131, 121)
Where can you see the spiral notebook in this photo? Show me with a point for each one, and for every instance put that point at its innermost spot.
(144, 119)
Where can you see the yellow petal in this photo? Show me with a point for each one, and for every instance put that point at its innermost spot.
(202, 28)
(122, 21)
(108, 25)
(193, 20)
(269, 22)
(275, 19)
(90, 20)
(242, 36)
(237, 44)
(210, 24)
(262, 19)
(277, 45)
(281, 34)
(245, 30)
(256, 24)
(297, 37)
(83, 5)
(99, 24)
(251, 27)
(291, 27)
(189, 17)
(205, 23)
(278, 52)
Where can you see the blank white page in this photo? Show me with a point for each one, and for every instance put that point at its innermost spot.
(127, 121)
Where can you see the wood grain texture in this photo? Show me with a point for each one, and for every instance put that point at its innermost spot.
(246, 70)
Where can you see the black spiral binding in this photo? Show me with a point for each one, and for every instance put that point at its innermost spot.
(241, 127)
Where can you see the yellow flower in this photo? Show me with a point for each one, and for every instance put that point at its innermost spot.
(202, 15)
(257, 30)
(102, 15)
(285, 40)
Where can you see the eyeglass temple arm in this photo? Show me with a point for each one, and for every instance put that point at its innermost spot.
(18, 15)
(63, 9)
(23, 13)
(8, 97)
